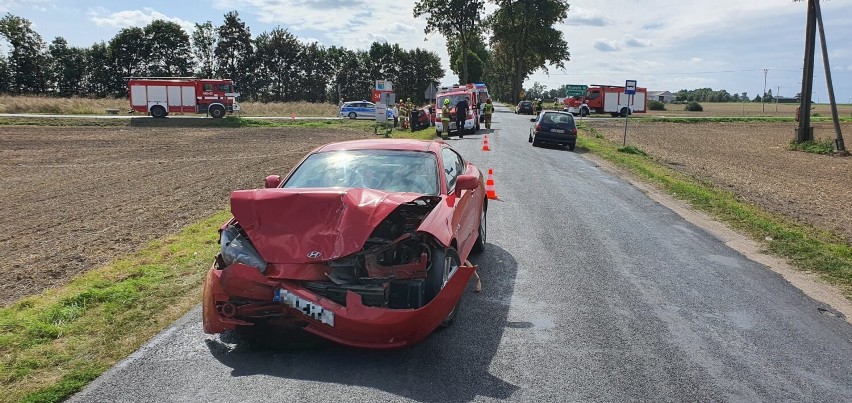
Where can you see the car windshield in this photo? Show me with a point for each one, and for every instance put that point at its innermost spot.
(386, 170)
(454, 99)
(556, 118)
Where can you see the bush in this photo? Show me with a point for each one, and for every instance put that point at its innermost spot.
(819, 146)
(655, 105)
(693, 107)
(632, 150)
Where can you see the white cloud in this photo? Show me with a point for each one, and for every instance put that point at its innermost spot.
(581, 16)
(134, 18)
(634, 42)
(605, 45)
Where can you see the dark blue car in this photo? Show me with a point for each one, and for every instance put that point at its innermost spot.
(554, 128)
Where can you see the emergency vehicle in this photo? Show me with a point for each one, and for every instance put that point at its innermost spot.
(159, 96)
(455, 94)
(607, 99)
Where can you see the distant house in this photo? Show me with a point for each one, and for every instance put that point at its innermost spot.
(662, 96)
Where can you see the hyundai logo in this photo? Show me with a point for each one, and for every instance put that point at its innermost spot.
(314, 255)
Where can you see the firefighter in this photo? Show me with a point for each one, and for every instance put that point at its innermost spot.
(409, 106)
(445, 119)
(489, 109)
(538, 106)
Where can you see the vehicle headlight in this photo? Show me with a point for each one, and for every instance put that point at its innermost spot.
(237, 248)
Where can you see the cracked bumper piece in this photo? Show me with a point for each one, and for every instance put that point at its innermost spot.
(354, 325)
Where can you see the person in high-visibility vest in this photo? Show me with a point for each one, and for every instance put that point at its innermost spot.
(489, 110)
(445, 119)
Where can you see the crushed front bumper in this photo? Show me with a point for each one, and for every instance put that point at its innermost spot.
(353, 325)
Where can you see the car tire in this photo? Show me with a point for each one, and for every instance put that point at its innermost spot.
(624, 112)
(571, 146)
(438, 274)
(530, 139)
(217, 112)
(353, 115)
(479, 244)
(584, 112)
(158, 112)
(535, 142)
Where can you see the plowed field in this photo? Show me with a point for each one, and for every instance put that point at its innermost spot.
(752, 161)
(74, 198)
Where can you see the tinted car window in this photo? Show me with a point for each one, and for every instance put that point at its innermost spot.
(387, 170)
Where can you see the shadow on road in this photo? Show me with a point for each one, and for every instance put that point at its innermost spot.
(451, 365)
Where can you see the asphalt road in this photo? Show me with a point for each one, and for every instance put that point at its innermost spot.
(591, 292)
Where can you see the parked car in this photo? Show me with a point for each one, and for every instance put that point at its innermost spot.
(554, 128)
(363, 243)
(358, 110)
(525, 108)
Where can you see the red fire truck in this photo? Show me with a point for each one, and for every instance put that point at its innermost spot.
(607, 99)
(159, 96)
(455, 94)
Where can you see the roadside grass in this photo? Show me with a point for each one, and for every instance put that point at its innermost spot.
(725, 119)
(54, 343)
(819, 146)
(231, 121)
(424, 134)
(804, 246)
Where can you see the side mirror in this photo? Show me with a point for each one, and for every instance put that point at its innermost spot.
(532, 119)
(466, 182)
(272, 181)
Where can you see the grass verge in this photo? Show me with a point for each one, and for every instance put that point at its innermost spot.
(825, 147)
(54, 343)
(804, 246)
(725, 119)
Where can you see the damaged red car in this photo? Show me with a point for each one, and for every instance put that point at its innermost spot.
(364, 243)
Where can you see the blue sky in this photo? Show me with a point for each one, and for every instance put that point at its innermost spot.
(664, 44)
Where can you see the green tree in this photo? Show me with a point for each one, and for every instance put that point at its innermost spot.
(168, 49)
(128, 51)
(4, 75)
(203, 48)
(277, 56)
(67, 68)
(100, 73)
(235, 53)
(313, 73)
(476, 68)
(455, 20)
(26, 63)
(525, 33)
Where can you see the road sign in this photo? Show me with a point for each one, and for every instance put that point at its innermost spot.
(572, 90)
(430, 92)
(630, 87)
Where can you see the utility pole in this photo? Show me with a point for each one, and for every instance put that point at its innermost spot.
(777, 98)
(763, 98)
(838, 142)
(805, 131)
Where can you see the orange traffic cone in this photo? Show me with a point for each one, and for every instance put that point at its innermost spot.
(490, 192)
(485, 146)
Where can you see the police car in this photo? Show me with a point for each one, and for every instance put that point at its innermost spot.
(358, 110)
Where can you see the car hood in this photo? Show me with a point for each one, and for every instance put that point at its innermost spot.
(312, 225)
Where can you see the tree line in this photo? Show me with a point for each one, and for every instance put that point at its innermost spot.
(501, 49)
(272, 67)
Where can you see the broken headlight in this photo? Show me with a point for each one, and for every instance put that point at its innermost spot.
(237, 248)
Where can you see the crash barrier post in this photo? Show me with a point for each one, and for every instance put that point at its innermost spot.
(485, 146)
(490, 192)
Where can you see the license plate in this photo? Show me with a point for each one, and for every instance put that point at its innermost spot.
(304, 306)
(452, 126)
(557, 131)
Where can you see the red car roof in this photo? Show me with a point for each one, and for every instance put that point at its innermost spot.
(384, 144)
